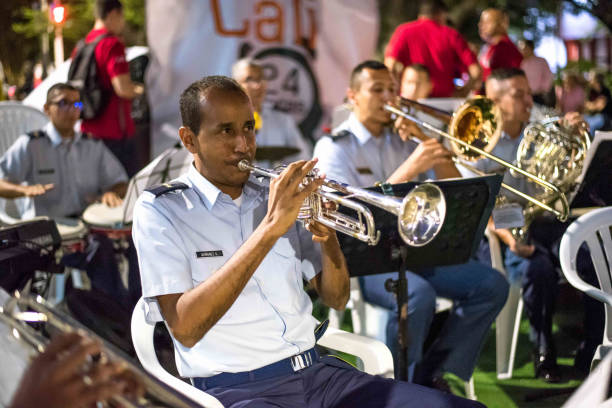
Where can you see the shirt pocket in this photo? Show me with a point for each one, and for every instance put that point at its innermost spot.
(204, 266)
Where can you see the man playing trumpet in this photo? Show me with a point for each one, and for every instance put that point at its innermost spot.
(222, 262)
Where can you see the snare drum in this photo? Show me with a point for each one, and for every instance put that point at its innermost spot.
(73, 233)
(102, 219)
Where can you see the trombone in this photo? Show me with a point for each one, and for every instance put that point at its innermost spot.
(420, 214)
(475, 128)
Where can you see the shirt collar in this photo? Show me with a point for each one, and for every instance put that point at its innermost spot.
(252, 188)
(358, 129)
(56, 138)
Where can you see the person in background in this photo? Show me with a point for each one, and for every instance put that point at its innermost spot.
(430, 42)
(538, 73)
(499, 51)
(598, 104)
(114, 126)
(532, 264)
(64, 171)
(273, 128)
(570, 94)
(364, 150)
(415, 83)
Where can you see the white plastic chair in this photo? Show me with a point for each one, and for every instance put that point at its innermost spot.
(15, 120)
(370, 320)
(508, 321)
(374, 355)
(594, 229)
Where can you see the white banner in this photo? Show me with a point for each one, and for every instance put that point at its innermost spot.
(307, 47)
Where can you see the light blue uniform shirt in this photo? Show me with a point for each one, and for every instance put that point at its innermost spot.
(183, 237)
(506, 149)
(360, 159)
(80, 169)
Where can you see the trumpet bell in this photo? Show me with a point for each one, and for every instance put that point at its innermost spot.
(478, 123)
(421, 214)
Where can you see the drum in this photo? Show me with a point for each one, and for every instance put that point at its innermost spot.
(74, 234)
(102, 219)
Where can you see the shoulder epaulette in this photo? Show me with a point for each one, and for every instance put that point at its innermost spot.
(166, 188)
(36, 134)
(340, 135)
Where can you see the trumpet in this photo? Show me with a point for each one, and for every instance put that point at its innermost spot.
(420, 214)
(20, 311)
(475, 128)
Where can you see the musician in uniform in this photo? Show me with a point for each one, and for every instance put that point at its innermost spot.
(532, 264)
(272, 127)
(365, 150)
(222, 262)
(64, 171)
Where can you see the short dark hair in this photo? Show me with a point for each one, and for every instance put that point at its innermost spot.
(369, 64)
(419, 68)
(501, 74)
(57, 88)
(432, 7)
(191, 98)
(529, 43)
(104, 8)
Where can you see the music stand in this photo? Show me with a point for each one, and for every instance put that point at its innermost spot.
(469, 204)
(596, 178)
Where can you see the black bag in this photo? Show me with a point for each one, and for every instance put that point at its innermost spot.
(83, 75)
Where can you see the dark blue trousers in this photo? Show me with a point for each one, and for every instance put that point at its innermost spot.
(334, 383)
(100, 263)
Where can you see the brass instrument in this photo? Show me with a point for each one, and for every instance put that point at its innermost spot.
(552, 152)
(420, 213)
(475, 128)
(20, 310)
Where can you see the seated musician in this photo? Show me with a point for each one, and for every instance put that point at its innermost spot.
(64, 171)
(416, 83)
(533, 264)
(272, 127)
(364, 150)
(222, 261)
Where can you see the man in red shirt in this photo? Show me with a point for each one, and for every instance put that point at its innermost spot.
(428, 41)
(499, 51)
(114, 125)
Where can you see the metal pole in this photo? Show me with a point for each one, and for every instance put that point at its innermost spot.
(44, 7)
(58, 47)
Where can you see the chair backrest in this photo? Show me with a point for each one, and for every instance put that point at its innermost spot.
(594, 229)
(142, 337)
(15, 120)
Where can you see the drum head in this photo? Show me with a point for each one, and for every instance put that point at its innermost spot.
(101, 215)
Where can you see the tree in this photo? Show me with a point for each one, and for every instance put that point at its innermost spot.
(22, 22)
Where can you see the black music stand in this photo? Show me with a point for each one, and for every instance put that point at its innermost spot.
(469, 204)
(594, 190)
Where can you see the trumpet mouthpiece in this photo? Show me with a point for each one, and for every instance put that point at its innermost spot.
(243, 165)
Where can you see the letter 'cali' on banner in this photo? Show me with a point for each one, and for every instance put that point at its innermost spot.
(307, 48)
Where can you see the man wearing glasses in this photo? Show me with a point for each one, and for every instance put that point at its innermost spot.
(64, 171)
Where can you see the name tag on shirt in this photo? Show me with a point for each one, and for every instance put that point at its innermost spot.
(364, 170)
(46, 171)
(208, 254)
(508, 216)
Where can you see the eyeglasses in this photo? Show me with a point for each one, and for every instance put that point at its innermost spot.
(65, 105)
